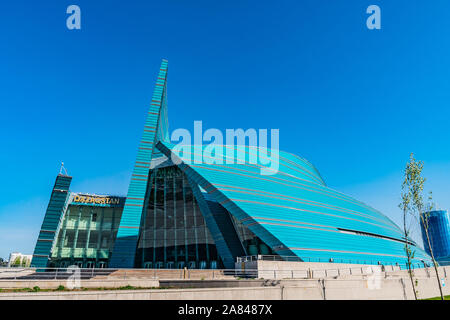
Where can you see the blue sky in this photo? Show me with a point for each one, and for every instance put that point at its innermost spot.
(354, 102)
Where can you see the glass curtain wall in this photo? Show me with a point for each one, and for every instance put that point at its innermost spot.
(439, 232)
(173, 231)
(86, 236)
(252, 244)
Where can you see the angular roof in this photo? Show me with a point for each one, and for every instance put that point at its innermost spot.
(293, 210)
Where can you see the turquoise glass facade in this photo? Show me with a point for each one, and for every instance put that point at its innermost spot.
(85, 227)
(204, 214)
(52, 221)
(295, 213)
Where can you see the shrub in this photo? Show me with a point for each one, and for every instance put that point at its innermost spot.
(126, 288)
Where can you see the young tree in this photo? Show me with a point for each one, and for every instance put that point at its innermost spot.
(405, 205)
(16, 262)
(25, 262)
(413, 205)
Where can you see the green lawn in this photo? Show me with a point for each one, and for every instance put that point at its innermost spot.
(439, 298)
(62, 288)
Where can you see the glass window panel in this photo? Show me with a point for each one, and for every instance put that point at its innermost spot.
(202, 252)
(199, 221)
(169, 225)
(212, 253)
(93, 239)
(107, 218)
(170, 252)
(181, 253)
(81, 240)
(105, 240)
(201, 235)
(180, 237)
(192, 252)
(70, 238)
(170, 221)
(189, 221)
(159, 238)
(190, 234)
(149, 219)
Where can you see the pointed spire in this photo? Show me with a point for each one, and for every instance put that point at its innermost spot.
(62, 170)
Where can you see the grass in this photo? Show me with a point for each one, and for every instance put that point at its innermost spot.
(62, 288)
(438, 298)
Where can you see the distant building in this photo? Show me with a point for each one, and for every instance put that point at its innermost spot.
(439, 232)
(17, 259)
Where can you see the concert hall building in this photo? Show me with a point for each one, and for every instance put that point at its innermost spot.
(205, 215)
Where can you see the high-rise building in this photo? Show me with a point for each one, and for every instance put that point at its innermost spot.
(439, 234)
(206, 213)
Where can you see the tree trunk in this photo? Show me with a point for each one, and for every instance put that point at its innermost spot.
(408, 255)
(434, 262)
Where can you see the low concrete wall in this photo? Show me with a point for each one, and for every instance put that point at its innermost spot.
(328, 289)
(14, 272)
(263, 269)
(307, 270)
(53, 284)
(282, 274)
(396, 289)
(199, 274)
(179, 284)
(424, 272)
(272, 293)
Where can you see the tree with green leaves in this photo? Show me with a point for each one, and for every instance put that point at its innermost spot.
(25, 262)
(405, 206)
(413, 206)
(16, 262)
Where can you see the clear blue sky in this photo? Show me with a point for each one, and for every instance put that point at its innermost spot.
(354, 102)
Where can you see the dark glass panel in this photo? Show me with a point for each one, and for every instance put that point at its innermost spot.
(70, 238)
(105, 240)
(171, 219)
(202, 252)
(81, 240)
(93, 239)
(192, 256)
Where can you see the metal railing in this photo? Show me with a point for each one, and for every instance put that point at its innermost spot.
(32, 273)
(330, 260)
(105, 274)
